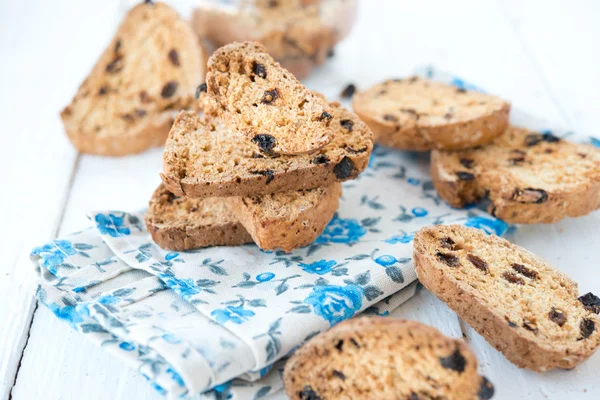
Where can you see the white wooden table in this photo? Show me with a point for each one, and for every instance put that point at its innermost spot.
(542, 55)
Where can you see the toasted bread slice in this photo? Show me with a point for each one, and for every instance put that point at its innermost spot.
(419, 114)
(283, 221)
(265, 103)
(150, 70)
(384, 358)
(287, 220)
(299, 34)
(179, 223)
(205, 159)
(520, 304)
(527, 176)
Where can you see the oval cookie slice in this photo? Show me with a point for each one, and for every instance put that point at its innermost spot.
(520, 304)
(527, 177)
(419, 114)
(384, 358)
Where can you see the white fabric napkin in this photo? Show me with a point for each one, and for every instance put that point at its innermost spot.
(220, 318)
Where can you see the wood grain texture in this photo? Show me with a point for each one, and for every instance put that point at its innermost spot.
(538, 54)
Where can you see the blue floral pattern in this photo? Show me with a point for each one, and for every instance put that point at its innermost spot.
(341, 230)
(335, 303)
(111, 224)
(320, 267)
(240, 310)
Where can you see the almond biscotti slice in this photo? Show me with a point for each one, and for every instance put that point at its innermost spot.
(258, 98)
(384, 358)
(150, 69)
(520, 304)
(528, 177)
(204, 159)
(287, 220)
(419, 114)
(179, 223)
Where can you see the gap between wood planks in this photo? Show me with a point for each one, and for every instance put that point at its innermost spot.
(61, 215)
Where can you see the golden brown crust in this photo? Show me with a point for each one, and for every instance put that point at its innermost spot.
(265, 103)
(527, 176)
(507, 295)
(353, 360)
(420, 115)
(287, 220)
(120, 109)
(152, 134)
(177, 223)
(204, 159)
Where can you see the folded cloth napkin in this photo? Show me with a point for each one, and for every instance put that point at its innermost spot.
(193, 321)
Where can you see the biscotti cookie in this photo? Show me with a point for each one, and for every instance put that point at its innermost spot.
(528, 177)
(265, 103)
(299, 34)
(122, 107)
(520, 304)
(287, 220)
(204, 159)
(384, 358)
(419, 114)
(179, 223)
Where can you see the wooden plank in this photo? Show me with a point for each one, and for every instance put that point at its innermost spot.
(41, 70)
(559, 42)
(568, 244)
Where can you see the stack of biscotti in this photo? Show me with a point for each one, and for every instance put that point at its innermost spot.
(149, 71)
(526, 177)
(263, 163)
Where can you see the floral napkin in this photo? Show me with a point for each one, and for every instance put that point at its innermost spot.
(221, 318)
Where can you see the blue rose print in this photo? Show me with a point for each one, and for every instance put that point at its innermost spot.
(341, 230)
(171, 256)
(223, 391)
(170, 338)
(112, 225)
(402, 238)
(175, 376)
(108, 300)
(335, 303)
(186, 288)
(488, 225)
(386, 260)
(318, 267)
(414, 181)
(127, 346)
(419, 212)
(265, 277)
(595, 141)
(236, 315)
(53, 254)
(67, 313)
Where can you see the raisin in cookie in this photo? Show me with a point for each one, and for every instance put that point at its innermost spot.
(520, 304)
(204, 159)
(122, 108)
(419, 114)
(179, 223)
(384, 358)
(287, 220)
(528, 177)
(262, 101)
